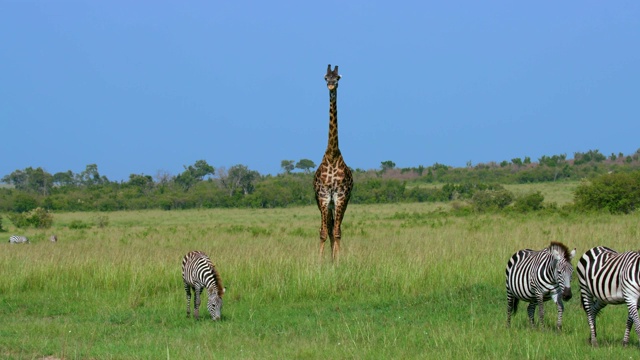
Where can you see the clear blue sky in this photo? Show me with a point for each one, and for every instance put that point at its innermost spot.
(147, 86)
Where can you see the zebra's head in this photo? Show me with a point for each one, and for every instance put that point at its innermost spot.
(564, 269)
(214, 303)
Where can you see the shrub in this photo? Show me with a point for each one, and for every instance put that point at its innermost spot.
(529, 202)
(617, 193)
(24, 202)
(484, 200)
(79, 224)
(39, 218)
(101, 221)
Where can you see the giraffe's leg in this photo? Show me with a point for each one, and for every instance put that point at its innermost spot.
(340, 209)
(335, 241)
(324, 229)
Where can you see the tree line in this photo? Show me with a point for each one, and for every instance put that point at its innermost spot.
(201, 185)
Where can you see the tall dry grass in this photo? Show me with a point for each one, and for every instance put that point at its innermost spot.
(412, 282)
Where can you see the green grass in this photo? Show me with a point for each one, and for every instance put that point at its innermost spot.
(560, 192)
(411, 283)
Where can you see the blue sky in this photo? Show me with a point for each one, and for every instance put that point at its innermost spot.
(139, 87)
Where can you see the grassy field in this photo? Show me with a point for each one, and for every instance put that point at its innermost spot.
(412, 282)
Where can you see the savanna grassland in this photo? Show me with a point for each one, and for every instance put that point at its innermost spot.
(414, 281)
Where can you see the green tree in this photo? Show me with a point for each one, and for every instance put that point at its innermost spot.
(30, 180)
(90, 176)
(64, 178)
(590, 156)
(194, 173)
(287, 166)
(387, 165)
(144, 183)
(239, 177)
(306, 165)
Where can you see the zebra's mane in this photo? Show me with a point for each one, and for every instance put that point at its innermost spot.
(562, 248)
(217, 279)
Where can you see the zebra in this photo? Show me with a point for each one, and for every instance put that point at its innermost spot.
(197, 273)
(608, 277)
(537, 276)
(16, 239)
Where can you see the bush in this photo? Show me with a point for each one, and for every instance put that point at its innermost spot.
(617, 193)
(529, 202)
(79, 224)
(39, 218)
(485, 200)
(101, 221)
(24, 202)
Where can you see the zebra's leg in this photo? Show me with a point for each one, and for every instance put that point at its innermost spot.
(627, 331)
(196, 304)
(531, 310)
(592, 308)
(512, 306)
(560, 311)
(541, 309)
(187, 289)
(633, 318)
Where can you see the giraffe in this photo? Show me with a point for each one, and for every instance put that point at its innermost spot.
(333, 181)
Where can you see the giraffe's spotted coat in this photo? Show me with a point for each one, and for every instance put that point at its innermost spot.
(333, 181)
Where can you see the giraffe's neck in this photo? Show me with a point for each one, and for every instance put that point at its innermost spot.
(332, 147)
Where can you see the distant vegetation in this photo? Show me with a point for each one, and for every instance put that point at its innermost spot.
(476, 188)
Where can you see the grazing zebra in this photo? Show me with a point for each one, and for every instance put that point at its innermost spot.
(198, 273)
(608, 277)
(536, 277)
(15, 239)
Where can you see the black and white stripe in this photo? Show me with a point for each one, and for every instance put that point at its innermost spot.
(16, 239)
(198, 272)
(536, 277)
(608, 277)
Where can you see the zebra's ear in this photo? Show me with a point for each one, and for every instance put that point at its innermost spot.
(573, 253)
(556, 254)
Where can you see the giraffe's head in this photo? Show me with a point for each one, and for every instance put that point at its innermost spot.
(332, 77)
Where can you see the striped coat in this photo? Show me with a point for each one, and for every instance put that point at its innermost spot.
(608, 277)
(198, 273)
(538, 276)
(15, 239)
